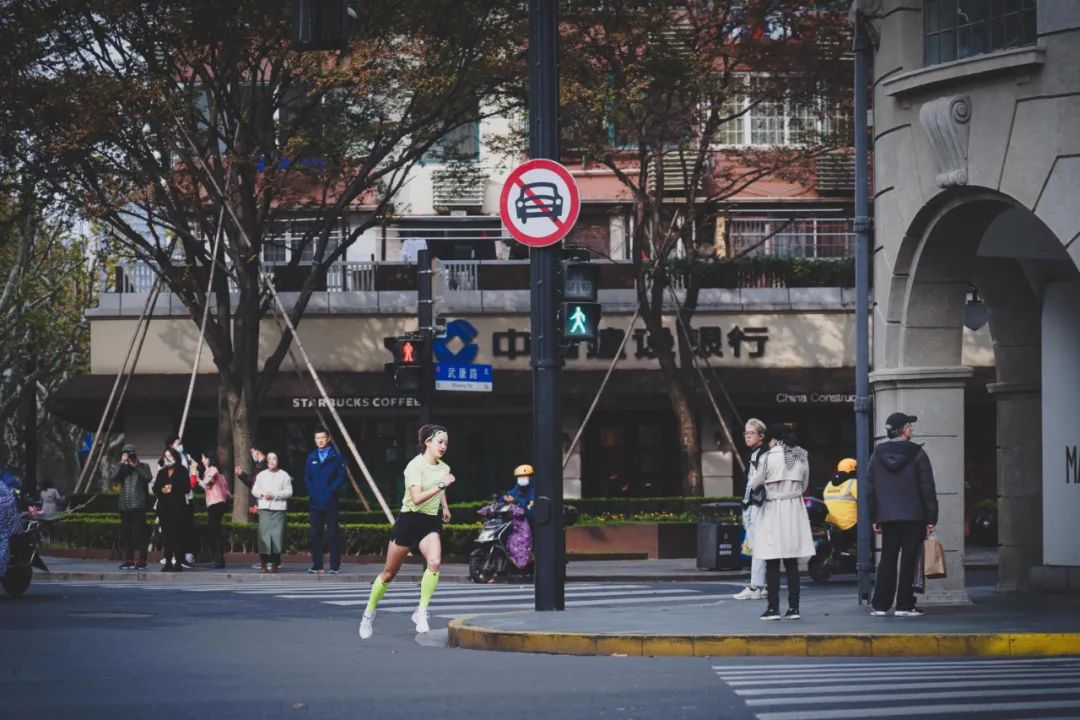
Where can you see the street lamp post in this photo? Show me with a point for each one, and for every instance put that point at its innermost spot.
(546, 360)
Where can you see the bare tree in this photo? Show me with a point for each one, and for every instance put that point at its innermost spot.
(649, 90)
(169, 122)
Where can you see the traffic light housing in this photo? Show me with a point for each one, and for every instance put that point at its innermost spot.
(580, 312)
(320, 24)
(407, 367)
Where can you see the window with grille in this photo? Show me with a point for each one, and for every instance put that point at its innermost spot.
(287, 238)
(957, 29)
(776, 121)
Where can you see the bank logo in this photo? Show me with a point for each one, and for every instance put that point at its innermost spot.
(459, 346)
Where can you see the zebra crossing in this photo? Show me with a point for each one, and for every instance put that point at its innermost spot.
(451, 599)
(940, 688)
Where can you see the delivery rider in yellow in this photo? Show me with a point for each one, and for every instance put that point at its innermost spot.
(841, 497)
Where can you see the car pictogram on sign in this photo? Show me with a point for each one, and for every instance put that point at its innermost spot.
(539, 199)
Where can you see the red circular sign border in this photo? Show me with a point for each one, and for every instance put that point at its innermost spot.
(571, 219)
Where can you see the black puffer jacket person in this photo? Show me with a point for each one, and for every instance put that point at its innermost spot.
(900, 484)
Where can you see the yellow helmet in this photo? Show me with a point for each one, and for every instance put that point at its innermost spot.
(846, 465)
(523, 470)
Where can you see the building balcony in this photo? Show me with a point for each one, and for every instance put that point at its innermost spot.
(781, 263)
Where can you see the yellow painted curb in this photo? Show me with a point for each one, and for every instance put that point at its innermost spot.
(463, 634)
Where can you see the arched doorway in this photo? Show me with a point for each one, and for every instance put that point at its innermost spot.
(978, 238)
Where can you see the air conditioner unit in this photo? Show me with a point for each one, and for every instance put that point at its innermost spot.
(454, 190)
(835, 173)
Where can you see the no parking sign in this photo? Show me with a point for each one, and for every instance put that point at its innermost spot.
(539, 203)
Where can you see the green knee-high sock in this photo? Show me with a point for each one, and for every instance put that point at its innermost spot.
(378, 589)
(427, 587)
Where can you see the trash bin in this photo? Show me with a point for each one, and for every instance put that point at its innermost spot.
(719, 536)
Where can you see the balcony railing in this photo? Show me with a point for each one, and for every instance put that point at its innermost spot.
(137, 277)
(825, 238)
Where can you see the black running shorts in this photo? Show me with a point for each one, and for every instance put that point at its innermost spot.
(412, 527)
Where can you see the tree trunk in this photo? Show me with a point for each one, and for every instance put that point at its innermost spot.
(245, 420)
(678, 395)
(224, 446)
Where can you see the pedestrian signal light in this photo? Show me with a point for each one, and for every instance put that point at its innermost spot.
(406, 369)
(580, 320)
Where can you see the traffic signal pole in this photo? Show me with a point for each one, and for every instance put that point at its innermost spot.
(864, 547)
(546, 360)
(426, 316)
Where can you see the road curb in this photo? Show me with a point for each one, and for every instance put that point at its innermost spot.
(463, 634)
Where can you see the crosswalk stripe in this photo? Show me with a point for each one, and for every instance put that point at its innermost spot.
(443, 590)
(916, 663)
(530, 605)
(871, 675)
(835, 699)
(482, 596)
(976, 681)
(892, 667)
(910, 710)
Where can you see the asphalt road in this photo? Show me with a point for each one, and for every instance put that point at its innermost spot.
(139, 651)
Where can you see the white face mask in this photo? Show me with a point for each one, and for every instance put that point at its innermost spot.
(523, 482)
(180, 448)
(169, 462)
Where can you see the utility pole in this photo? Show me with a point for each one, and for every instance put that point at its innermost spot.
(864, 559)
(546, 359)
(426, 316)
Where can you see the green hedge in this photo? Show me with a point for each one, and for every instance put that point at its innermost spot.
(766, 270)
(357, 539)
(107, 503)
(590, 509)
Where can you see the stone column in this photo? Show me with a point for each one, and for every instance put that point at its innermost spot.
(936, 396)
(1019, 481)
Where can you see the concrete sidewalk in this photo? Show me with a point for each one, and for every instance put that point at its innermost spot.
(832, 624)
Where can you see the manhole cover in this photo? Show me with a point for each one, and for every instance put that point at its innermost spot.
(111, 615)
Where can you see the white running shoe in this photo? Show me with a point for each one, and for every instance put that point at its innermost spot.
(420, 618)
(365, 625)
(749, 594)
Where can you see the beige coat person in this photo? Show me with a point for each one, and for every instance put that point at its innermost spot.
(782, 527)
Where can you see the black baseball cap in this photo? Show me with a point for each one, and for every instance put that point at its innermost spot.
(897, 421)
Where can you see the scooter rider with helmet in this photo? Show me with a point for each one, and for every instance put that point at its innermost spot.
(841, 497)
(522, 493)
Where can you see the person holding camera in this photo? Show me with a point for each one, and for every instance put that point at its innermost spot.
(133, 477)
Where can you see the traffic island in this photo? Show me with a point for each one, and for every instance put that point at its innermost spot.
(832, 625)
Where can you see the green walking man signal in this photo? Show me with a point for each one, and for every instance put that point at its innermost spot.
(580, 320)
(580, 311)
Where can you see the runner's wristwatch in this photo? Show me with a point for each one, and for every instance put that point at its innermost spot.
(442, 485)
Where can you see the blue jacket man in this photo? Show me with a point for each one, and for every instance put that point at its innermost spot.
(324, 474)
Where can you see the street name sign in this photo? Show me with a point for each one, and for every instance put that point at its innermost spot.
(463, 378)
